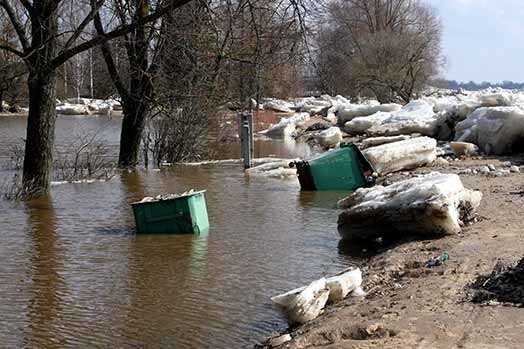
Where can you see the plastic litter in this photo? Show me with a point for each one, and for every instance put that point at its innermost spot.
(436, 261)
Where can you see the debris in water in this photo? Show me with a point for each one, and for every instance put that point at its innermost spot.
(166, 196)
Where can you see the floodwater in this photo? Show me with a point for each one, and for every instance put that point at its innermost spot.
(74, 273)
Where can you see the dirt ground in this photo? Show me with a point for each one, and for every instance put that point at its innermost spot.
(412, 306)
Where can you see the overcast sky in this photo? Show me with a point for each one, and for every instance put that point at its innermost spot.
(483, 40)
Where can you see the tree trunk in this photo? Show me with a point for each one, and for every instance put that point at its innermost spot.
(134, 111)
(40, 136)
(136, 106)
(1, 101)
(38, 159)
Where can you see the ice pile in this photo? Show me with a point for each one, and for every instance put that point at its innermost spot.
(498, 130)
(415, 117)
(432, 204)
(278, 105)
(167, 196)
(491, 118)
(350, 111)
(86, 106)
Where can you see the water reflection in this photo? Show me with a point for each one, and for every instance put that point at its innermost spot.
(133, 186)
(46, 282)
(321, 199)
(166, 274)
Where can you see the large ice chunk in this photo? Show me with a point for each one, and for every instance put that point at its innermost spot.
(286, 127)
(415, 117)
(343, 283)
(279, 106)
(329, 138)
(402, 155)
(350, 111)
(304, 304)
(279, 168)
(374, 141)
(497, 130)
(432, 204)
(72, 109)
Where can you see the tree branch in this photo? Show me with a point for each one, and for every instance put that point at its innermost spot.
(15, 21)
(12, 50)
(108, 57)
(122, 30)
(95, 7)
(28, 6)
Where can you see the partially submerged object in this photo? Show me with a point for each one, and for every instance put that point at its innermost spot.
(184, 213)
(344, 168)
(276, 169)
(306, 303)
(286, 127)
(432, 204)
(402, 155)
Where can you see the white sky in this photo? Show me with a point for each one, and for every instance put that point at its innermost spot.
(483, 40)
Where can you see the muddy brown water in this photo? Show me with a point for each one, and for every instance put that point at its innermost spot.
(74, 273)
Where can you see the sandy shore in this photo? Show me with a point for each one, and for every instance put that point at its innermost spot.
(411, 306)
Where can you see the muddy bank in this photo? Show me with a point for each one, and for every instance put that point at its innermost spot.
(412, 306)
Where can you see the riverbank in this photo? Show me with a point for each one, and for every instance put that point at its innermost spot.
(412, 306)
(8, 114)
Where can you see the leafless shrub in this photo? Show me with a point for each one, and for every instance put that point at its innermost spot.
(13, 189)
(16, 156)
(85, 158)
(175, 133)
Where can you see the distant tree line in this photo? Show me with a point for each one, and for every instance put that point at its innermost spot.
(474, 86)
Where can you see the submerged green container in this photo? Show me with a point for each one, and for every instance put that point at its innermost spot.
(185, 214)
(344, 168)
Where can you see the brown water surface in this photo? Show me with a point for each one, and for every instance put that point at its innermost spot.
(74, 273)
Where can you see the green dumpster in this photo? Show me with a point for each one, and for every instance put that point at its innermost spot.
(344, 168)
(185, 214)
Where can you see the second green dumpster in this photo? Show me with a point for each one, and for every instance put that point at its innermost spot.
(344, 168)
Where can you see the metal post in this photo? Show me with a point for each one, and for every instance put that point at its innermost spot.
(245, 123)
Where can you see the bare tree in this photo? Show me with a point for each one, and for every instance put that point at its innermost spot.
(45, 47)
(391, 47)
(12, 69)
